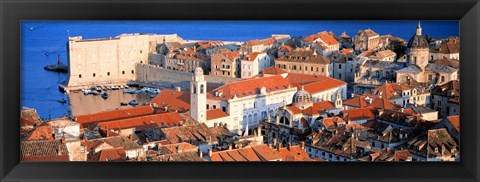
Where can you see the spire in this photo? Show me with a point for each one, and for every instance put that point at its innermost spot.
(163, 39)
(419, 29)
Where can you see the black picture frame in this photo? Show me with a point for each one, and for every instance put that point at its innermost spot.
(13, 12)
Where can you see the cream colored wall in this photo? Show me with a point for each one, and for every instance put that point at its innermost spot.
(106, 61)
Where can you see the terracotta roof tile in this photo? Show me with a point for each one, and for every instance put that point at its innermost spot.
(249, 154)
(455, 121)
(44, 132)
(113, 154)
(92, 119)
(359, 114)
(216, 113)
(252, 56)
(285, 48)
(250, 87)
(150, 121)
(43, 150)
(173, 100)
(273, 71)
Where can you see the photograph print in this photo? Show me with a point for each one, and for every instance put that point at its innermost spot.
(235, 91)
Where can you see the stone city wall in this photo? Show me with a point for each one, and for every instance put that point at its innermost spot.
(156, 75)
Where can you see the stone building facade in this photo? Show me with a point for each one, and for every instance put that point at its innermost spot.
(366, 40)
(109, 60)
(304, 61)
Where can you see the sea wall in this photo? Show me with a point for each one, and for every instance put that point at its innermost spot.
(154, 74)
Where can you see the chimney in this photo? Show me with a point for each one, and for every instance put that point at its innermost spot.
(279, 146)
(165, 108)
(200, 153)
(178, 89)
(209, 152)
(230, 147)
(63, 139)
(179, 148)
(259, 131)
(302, 145)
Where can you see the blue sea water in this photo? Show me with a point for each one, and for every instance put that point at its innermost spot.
(39, 88)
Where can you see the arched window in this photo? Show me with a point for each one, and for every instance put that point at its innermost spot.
(285, 120)
(430, 77)
(202, 89)
(442, 79)
(194, 89)
(368, 72)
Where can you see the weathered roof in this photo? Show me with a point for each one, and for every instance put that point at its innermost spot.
(117, 141)
(449, 89)
(44, 150)
(304, 55)
(440, 68)
(440, 143)
(448, 62)
(383, 64)
(447, 48)
(411, 69)
(194, 133)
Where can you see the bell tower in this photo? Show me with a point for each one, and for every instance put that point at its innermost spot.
(198, 96)
(338, 101)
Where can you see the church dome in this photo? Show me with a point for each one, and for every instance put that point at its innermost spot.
(417, 42)
(302, 97)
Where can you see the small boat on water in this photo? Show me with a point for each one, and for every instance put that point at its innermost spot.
(94, 92)
(123, 104)
(133, 102)
(105, 95)
(62, 100)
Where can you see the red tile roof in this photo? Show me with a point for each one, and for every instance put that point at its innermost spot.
(455, 121)
(267, 41)
(113, 154)
(295, 153)
(250, 87)
(27, 122)
(40, 133)
(150, 121)
(174, 101)
(231, 55)
(311, 38)
(402, 155)
(326, 84)
(273, 71)
(391, 90)
(362, 101)
(285, 48)
(333, 122)
(359, 114)
(345, 52)
(328, 39)
(318, 107)
(91, 119)
(252, 56)
(216, 113)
